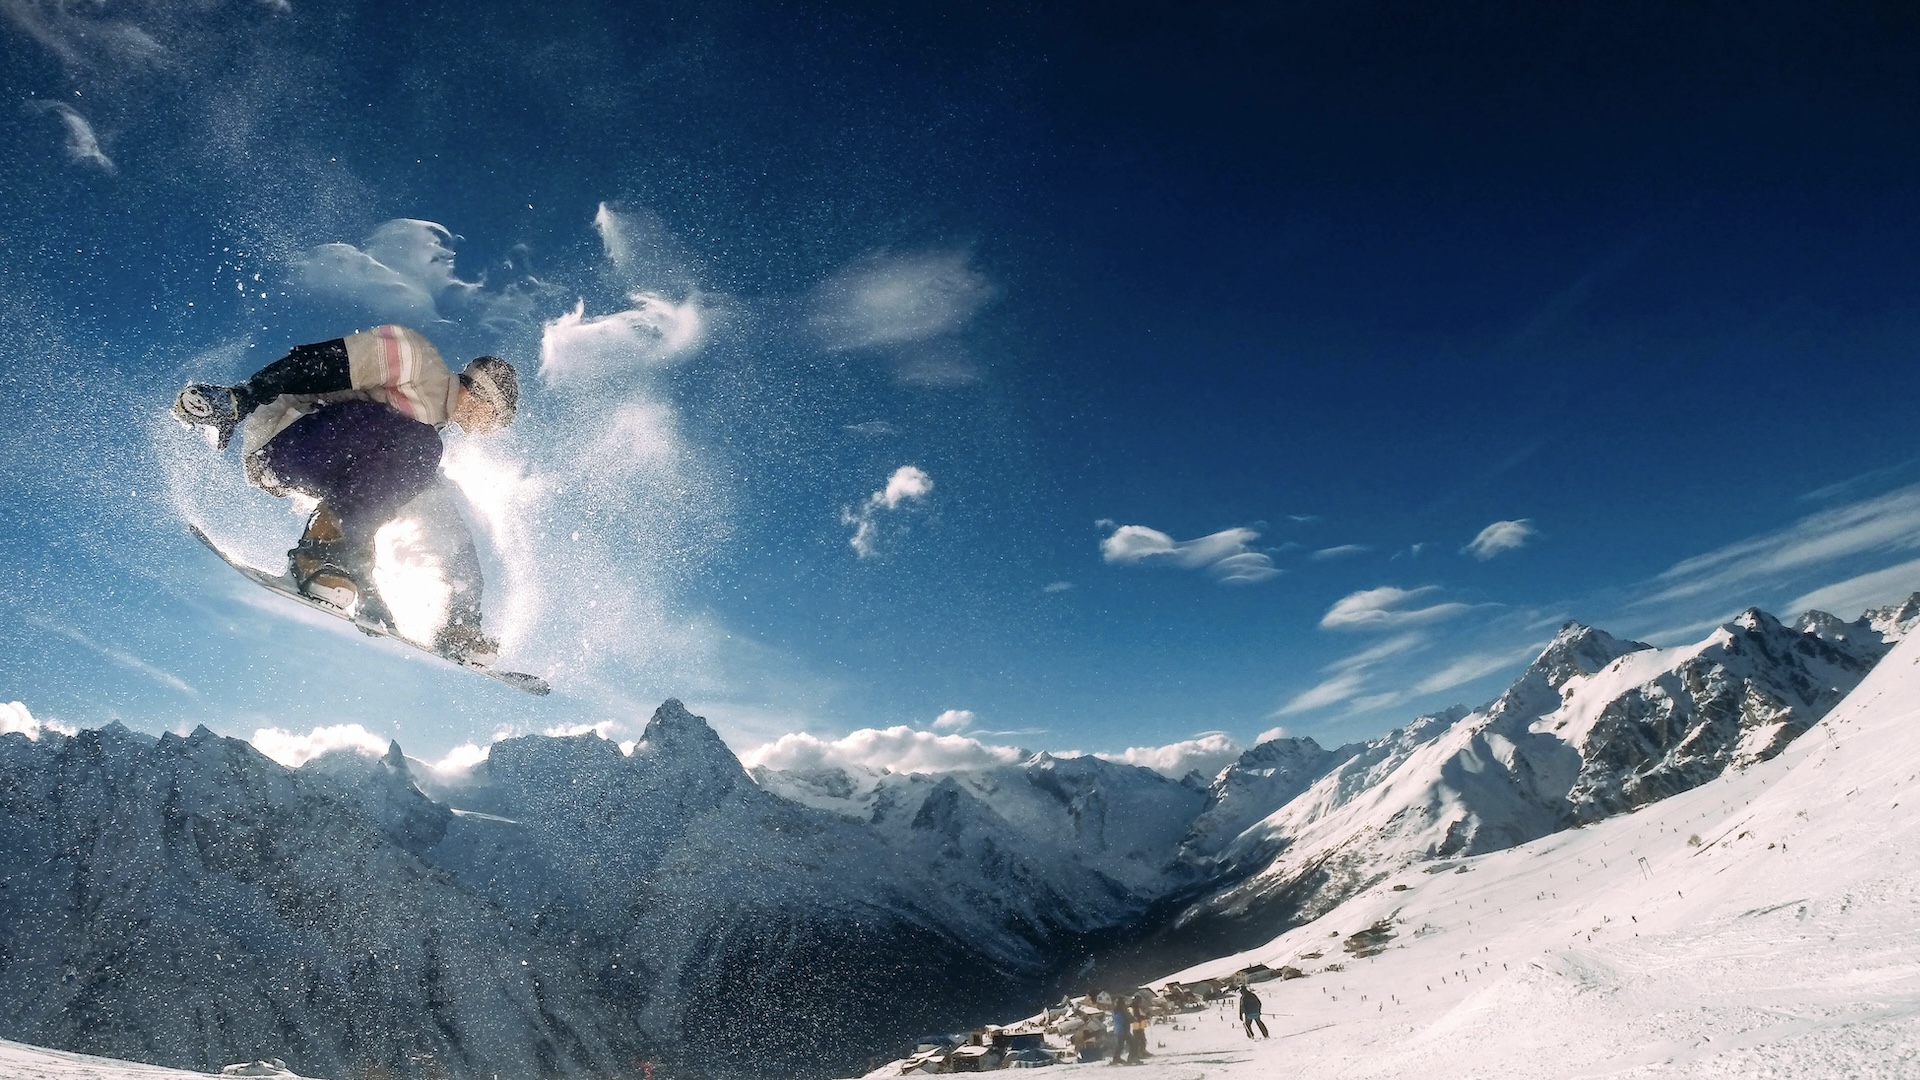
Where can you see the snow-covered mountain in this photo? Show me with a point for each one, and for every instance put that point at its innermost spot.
(1593, 727)
(564, 908)
(1762, 923)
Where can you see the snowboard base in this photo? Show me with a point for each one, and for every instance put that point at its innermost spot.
(282, 584)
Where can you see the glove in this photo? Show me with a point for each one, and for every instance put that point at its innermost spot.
(216, 408)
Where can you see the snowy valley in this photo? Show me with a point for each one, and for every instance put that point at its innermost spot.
(564, 908)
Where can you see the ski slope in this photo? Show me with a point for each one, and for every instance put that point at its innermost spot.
(1764, 924)
(18, 1061)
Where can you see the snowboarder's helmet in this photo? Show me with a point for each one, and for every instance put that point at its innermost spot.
(493, 381)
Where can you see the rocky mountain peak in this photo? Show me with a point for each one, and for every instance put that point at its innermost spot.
(1896, 620)
(678, 735)
(1576, 650)
(679, 748)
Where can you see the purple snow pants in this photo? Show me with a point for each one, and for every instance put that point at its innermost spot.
(361, 459)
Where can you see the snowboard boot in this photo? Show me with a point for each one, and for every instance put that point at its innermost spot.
(216, 408)
(327, 568)
(463, 643)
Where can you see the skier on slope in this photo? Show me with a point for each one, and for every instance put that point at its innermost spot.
(354, 423)
(1250, 1012)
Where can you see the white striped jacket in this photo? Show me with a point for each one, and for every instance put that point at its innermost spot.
(392, 365)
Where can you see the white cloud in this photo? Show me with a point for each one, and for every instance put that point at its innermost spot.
(294, 751)
(461, 758)
(1208, 752)
(604, 729)
(652, 332)
(16, 720)
(953, 720)
(896, 299)
(1888, 523)
(1856, 594)
(909, 483)
(404, 271)
(1500, 536)
(896, 749)
(1226, 555)
(1271, 734)
(875, 428)
(1387, 608)
(1056, 586)
(1340, 552)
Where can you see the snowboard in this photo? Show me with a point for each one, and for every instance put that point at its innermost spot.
(282, 584)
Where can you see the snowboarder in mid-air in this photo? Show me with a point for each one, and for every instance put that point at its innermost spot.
(355, 424)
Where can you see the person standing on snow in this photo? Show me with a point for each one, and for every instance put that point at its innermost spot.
(1250, 1012)
(1122, 1030)
(355, 424)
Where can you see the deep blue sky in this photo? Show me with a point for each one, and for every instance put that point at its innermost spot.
(1644, 277)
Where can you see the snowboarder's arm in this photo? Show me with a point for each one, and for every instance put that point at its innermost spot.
(321, 368)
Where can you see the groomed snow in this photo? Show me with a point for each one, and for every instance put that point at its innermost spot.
(1766, 924)
(19, 1061)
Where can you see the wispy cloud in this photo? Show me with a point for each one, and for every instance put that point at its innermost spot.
(1333, 691)
(1466, 669)
(1349, 676)
(1227, 556)
(1889, 523)
(870, 428)
(115, 654)
(83, 146)
(895, 299)
(1853, 484)
(643, 252)
(1339, 552)
(404, 270)
(898, 749)
(1500, 536)
(912, 306)
(1388, 608)
(908, 484)
(1856, 594)
(1056, 586)
(85, 36)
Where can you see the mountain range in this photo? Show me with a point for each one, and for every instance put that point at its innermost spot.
(565, 908)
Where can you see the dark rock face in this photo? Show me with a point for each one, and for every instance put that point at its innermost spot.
(1755, 687)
